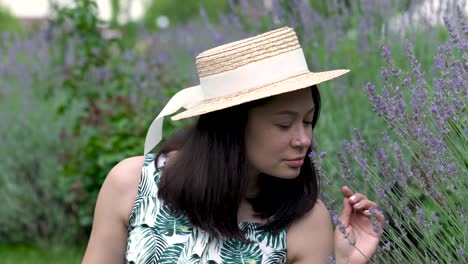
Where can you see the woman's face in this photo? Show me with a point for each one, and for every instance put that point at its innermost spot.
(279, 133)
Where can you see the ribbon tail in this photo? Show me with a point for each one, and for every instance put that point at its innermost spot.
(184, 98)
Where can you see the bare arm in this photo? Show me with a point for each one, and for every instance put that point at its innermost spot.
(310, 240)
(108, 239)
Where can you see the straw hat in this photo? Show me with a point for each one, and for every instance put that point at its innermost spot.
(268, 64)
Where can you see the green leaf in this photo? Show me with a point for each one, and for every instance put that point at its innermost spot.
(271, 240)
(171, 254)
(148, 245)
(236, 252)
(276, 257)
(186, 257)
(169, 223)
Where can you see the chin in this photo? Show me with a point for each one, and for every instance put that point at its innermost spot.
(288, 173)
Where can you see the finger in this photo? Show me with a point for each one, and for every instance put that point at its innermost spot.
(346, 212)
(364, 205)
(378, 215)
(347, 192)
(357, 197)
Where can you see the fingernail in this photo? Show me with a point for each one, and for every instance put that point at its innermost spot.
(357, 205)
(353, 198)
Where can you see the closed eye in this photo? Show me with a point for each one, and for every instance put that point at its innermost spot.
(284, 126)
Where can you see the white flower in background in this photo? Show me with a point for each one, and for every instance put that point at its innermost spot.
(162, 22)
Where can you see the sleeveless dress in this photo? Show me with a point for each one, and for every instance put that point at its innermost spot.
(158, 235)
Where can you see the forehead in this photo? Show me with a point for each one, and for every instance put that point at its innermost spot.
(300, 100)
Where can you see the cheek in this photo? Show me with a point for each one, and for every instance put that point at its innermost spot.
(266, 150)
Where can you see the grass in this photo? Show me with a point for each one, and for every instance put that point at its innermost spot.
(21, 254)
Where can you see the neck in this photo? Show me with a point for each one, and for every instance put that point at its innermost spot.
(252, 186)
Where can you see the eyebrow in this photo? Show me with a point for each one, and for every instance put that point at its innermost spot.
(292, 113)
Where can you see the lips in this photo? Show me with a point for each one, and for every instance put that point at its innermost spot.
(295, 162)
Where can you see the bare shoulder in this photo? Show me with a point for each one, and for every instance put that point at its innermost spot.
(122, 181)
(126, 172)
(310, 239)
(108, 237)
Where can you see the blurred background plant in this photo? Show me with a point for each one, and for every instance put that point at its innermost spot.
(78, 96)
(9, 22)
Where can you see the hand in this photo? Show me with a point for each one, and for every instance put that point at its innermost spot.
(355, 218)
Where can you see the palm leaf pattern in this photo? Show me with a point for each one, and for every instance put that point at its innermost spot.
(146, 248)
(236, 252)
(146, 188)
(188, 255)
(171, 254)
(144, 210)
(250, 229)
(276, 257)
(157, 234)
(271, 240)
(169, 223)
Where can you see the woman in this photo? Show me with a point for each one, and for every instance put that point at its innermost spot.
(237, 186)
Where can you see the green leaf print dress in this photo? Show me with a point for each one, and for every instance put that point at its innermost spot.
(158, 235)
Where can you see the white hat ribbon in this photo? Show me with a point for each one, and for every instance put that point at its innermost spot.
(184, 98)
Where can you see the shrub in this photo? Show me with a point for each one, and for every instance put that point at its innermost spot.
(417, 170)
(31, 190)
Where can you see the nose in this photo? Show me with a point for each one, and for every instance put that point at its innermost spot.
(302, 137)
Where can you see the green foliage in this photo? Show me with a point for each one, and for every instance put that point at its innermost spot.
(8, 22)
(80, 24)
(33, 148)
(107, 131)
(181, 13)
(27, 254)
(115, 11)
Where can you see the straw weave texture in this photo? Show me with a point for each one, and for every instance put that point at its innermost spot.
(239, 53)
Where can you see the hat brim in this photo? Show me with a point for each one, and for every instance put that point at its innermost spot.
(290, 84)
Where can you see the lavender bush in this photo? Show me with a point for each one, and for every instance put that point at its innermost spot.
(33, 209)
(417, 170)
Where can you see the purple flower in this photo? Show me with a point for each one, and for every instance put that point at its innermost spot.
(384, 73)
(403, 169)
(312, 154)
(345, 170)
(337, 222)
(385, 137)
(461, 20)
(400, 228)
(454, 38)
(380, 191)
(387, 54)
(382, 157)
(421, 217)
(375, 224)
(419, 94)
(377, 103)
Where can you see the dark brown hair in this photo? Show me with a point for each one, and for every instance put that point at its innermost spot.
(207, 182)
